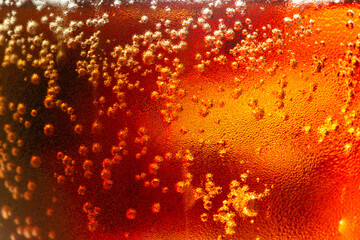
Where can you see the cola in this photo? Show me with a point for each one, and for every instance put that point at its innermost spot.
(179, 120)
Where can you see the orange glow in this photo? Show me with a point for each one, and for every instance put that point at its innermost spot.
(180, 121)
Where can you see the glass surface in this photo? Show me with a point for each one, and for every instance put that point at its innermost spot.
(179, 120)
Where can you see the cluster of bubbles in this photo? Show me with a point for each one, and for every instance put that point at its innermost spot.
(40, 49)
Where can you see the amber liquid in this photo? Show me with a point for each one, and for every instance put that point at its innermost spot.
(184, 121)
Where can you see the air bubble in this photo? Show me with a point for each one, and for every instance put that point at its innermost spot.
(288, 21)
(297, 18)
(350, 24)
(350, 13)
(144, 19)
(78, 128)
(230, 12)
(93, 225)
(52, 234)
(204, 217)
(82, 190)
(131, 214)
(155, 208)
(5, 212)
(206, 13)
(96, 148)
(258, 113)
(35, 161)
(31, 27)
(107, 184)
(180, 187)
(49, 102)
(31, 186)
(229, 34)
(21, 109)
(155, 182)
(49, 129)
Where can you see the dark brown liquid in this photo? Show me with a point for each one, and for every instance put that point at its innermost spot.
(188, 122)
